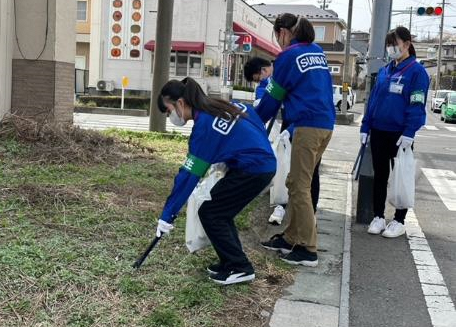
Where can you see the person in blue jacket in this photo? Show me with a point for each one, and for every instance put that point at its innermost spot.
(260, 70)
(222, 132)
(302, 82)
(395, 112)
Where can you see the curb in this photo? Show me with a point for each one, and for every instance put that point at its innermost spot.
(111, 111)
(344, 307)
(320, 296)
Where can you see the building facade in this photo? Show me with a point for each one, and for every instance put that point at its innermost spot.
(329, 34)
(122, 46)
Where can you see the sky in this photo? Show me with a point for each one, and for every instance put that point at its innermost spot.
(422, 26)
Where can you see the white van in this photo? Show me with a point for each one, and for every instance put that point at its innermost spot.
(337, 95)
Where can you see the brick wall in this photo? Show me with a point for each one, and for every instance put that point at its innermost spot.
(64, 92)
(40, 87)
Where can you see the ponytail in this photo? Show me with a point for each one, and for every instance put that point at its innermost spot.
(194, 96)
(300, 27)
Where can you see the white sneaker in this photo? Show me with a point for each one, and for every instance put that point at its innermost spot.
(394, 229)
(277, 216)
(377, 226)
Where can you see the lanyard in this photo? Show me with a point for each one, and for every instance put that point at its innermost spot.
(399, 75)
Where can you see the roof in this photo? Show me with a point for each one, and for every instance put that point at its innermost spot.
(308, 11)
(360, 46)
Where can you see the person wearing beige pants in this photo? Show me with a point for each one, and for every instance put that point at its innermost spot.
(301, 82)
(308, 147)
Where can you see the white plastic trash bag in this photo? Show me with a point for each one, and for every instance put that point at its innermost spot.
(401, 184)
(195, 236)
(279, 192)
(275, 131)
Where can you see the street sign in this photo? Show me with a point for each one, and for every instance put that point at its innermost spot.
(345, 87)
(125, 81)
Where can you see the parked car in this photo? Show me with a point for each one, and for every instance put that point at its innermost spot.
(448, 112)
(438, 99)
(337, 95)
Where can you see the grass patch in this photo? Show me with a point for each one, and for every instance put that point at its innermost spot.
(70, 231)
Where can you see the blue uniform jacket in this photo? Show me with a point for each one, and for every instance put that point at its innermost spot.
(301, 80)
(398, 108)
(241, 144)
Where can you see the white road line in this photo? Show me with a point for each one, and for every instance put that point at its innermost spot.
(439, 304)
(444, 183)
(451, 128)
(344, 306)
(431, 128)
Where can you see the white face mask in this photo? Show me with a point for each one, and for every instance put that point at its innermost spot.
(176, 119)
(394, 52)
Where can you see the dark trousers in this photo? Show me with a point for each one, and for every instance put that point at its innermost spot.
(384, 150)
(229, 196)
(315, 186)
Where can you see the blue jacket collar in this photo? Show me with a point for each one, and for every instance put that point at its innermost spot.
(402, 64)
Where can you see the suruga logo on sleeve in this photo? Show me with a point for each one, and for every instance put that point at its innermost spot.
(309, 61)
(224, 126)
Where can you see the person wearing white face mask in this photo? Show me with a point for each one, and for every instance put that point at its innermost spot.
(395, 112)
(222, 132)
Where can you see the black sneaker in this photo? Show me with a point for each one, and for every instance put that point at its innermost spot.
(277, 243)
(228, 277)
(301, 256)
(215, 268)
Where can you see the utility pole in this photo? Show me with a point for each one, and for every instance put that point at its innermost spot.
(381, 14)
(226, 89)
(346, 75)
(323, 6)
(410, 22)
(162, 53)
(439, 58)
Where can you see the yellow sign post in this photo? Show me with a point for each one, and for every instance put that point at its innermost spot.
(125, 82)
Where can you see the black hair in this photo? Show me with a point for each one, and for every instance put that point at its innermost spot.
(194, 96)
(253, 66)
(402, 33)
(300, 27)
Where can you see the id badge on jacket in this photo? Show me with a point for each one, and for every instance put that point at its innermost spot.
(396, 88)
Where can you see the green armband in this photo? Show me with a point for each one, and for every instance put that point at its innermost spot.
(417, 97)
(276, 91)
(196, 166)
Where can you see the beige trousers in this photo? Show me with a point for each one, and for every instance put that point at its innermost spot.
(308, 147)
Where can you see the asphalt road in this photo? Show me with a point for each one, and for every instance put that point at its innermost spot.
(385, 288)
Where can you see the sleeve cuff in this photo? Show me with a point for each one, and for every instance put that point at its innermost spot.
(365, 129)
(409, 133)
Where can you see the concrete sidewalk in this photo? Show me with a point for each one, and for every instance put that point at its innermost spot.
(319, 296)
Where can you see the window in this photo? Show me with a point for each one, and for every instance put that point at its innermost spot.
(446, 52)
(334, 69)
(80, 62)
(319, 33)
(81, 14)
(183, 64)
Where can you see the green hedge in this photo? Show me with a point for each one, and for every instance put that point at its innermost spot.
(243, 88)
(111, 101)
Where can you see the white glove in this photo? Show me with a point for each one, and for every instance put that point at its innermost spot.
(285, 134)
(404, 142)
(363, 138)
(163, 228)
